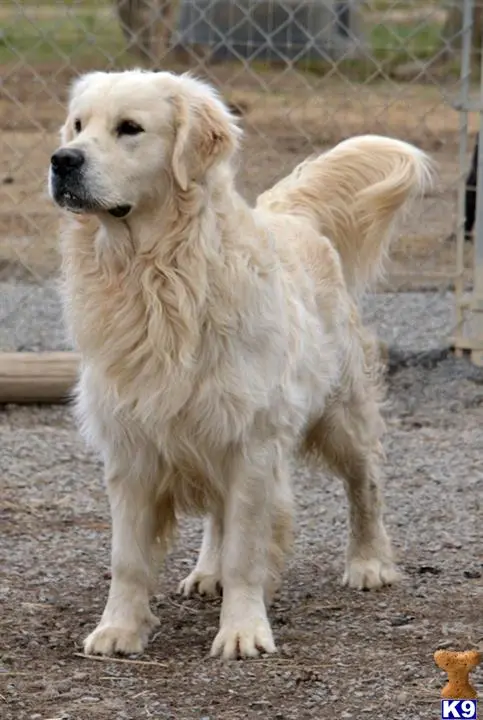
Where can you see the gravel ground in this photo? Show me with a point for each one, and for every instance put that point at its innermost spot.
(342, 654)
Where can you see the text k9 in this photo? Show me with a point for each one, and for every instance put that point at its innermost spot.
(458, 709)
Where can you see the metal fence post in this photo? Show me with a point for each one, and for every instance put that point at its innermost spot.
(462, 106)
(477, 300)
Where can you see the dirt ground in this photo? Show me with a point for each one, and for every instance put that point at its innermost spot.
(342, 654)
(286, 116)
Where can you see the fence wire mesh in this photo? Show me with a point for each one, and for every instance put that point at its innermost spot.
(302, 74)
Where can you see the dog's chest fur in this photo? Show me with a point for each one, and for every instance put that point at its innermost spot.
(194, 356)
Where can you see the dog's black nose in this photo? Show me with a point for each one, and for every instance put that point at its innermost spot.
(67, 159)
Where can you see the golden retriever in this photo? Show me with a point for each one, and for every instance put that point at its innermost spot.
(217, 339)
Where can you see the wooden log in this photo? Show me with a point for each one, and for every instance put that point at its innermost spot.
(29, 377)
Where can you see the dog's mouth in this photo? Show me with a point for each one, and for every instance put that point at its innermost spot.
(79, 205)
(120, 211)
(71, 194)
(72, 202)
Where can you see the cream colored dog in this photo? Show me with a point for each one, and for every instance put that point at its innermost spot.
(219, 338)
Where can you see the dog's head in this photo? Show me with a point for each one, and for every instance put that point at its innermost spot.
(130, 136)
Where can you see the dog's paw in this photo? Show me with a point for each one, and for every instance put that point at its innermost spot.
(205, 584)
(370, 574)
(109, 638)
(243, 638)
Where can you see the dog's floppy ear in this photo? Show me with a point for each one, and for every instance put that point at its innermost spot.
(206, 133)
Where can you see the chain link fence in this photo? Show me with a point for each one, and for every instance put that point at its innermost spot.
(302, 74)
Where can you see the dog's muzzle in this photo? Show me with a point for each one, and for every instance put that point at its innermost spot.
(68, 189)
(66, 167)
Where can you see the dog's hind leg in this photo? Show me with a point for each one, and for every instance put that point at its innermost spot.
(205, 579)
(348, 436)
(206, 576)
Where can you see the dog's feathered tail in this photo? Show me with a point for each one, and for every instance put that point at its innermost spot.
(353, 195)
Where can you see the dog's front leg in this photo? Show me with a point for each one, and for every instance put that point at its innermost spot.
(127, 620)
(244, 627)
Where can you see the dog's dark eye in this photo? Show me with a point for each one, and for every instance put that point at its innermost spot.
(128, 127)
(77, 126)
